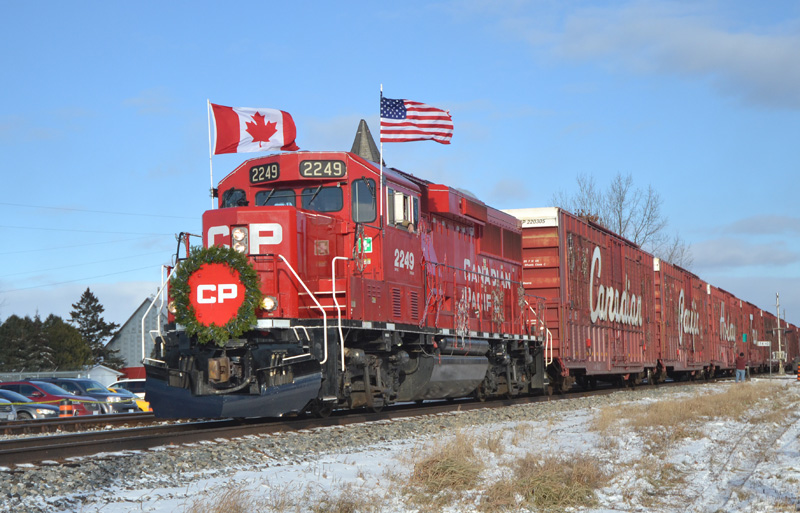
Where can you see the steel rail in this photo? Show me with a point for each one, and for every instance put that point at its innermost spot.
(19, 427)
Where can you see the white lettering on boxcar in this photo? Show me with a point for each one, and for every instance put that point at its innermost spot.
(689, 319)
(611, 304)
(727, 330)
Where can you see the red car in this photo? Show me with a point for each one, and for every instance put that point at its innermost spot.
(48, 393)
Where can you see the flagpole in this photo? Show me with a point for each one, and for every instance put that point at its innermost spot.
(210, 153)
(380, 179)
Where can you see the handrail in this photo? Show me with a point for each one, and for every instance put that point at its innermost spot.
(313, 297)
(336, 302)
(548, 339)
(159, 295)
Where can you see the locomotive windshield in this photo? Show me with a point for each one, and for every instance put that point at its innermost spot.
(234, 198)
(276, 198)
(363, 200)
(322, 199)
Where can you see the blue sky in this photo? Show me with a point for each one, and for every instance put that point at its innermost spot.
(104, 135)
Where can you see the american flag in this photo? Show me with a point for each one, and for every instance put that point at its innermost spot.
(404, 121)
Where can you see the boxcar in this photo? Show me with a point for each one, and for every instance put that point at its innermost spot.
(598, 289)
(682, 324)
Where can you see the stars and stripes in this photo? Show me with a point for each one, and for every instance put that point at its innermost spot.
(405, 120)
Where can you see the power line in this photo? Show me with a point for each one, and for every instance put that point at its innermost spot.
(79, 231)
(52, 248)
(92, 211)
(83, 263)
(74, 281)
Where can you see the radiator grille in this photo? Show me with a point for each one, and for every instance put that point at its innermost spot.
(397, 303)
(414, 296)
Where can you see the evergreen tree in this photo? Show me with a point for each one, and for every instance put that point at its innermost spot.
(70, 351)
(14, 343)
(40, 354)
(86, 316)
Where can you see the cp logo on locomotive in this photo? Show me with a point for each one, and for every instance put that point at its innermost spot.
(216, 293)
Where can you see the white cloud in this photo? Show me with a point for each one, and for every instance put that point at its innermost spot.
(759, 66)
(765, 224)
(731, 252)
(150, 101)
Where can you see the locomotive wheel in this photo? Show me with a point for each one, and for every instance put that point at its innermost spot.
(321, 409)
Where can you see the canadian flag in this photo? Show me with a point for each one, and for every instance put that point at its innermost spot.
(243, 130)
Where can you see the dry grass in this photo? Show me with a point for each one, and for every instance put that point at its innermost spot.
(442, 475)
(547, 483)
(493, 443)
(663, 479)
(672, 420)
(522, 433)
(239, 499)
(348, 499)
(234, 499)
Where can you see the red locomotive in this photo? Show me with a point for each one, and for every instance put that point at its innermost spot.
(327, 281)
(378, 287)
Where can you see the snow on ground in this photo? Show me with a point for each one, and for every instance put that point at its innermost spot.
(730, 467)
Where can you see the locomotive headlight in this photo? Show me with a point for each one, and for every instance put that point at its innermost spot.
(269, 303)
(172, 308)
(239, 234)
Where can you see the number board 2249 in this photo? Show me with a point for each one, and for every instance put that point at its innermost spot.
(265, 173)
(323, 169)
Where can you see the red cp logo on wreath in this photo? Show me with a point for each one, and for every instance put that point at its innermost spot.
(215, 293)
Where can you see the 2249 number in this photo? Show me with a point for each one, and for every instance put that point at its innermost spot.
(264, 173)
(403, 259)
(322, 169)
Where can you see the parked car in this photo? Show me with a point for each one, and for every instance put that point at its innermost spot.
(42, 392)
(141, 403)
(135, 385)
(110, 402)
(27, 409)
(7, 410)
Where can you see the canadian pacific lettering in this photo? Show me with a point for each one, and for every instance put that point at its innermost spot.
(610, 304)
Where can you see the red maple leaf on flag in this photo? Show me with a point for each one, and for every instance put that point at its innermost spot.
(260, 131)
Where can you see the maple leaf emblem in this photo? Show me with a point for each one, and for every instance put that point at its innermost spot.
(260, 131)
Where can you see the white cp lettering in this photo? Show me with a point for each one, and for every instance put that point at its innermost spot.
(205, 293)
(258, 239)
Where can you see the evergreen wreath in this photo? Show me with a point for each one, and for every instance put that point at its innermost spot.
(185, 314)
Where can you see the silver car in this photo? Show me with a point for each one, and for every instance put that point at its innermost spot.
(27, 409)
(7, 410)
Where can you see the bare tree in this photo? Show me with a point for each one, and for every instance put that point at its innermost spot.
(629, 211)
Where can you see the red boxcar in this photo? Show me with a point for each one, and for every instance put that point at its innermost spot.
(682, 326)
(727, 322)
(598, 290)
(754, 339)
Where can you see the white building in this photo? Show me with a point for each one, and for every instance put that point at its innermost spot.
(128, 340)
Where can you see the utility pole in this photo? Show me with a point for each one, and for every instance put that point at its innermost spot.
(779, 330)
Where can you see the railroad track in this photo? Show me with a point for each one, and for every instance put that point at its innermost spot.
(60, 448)
(71, 424)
